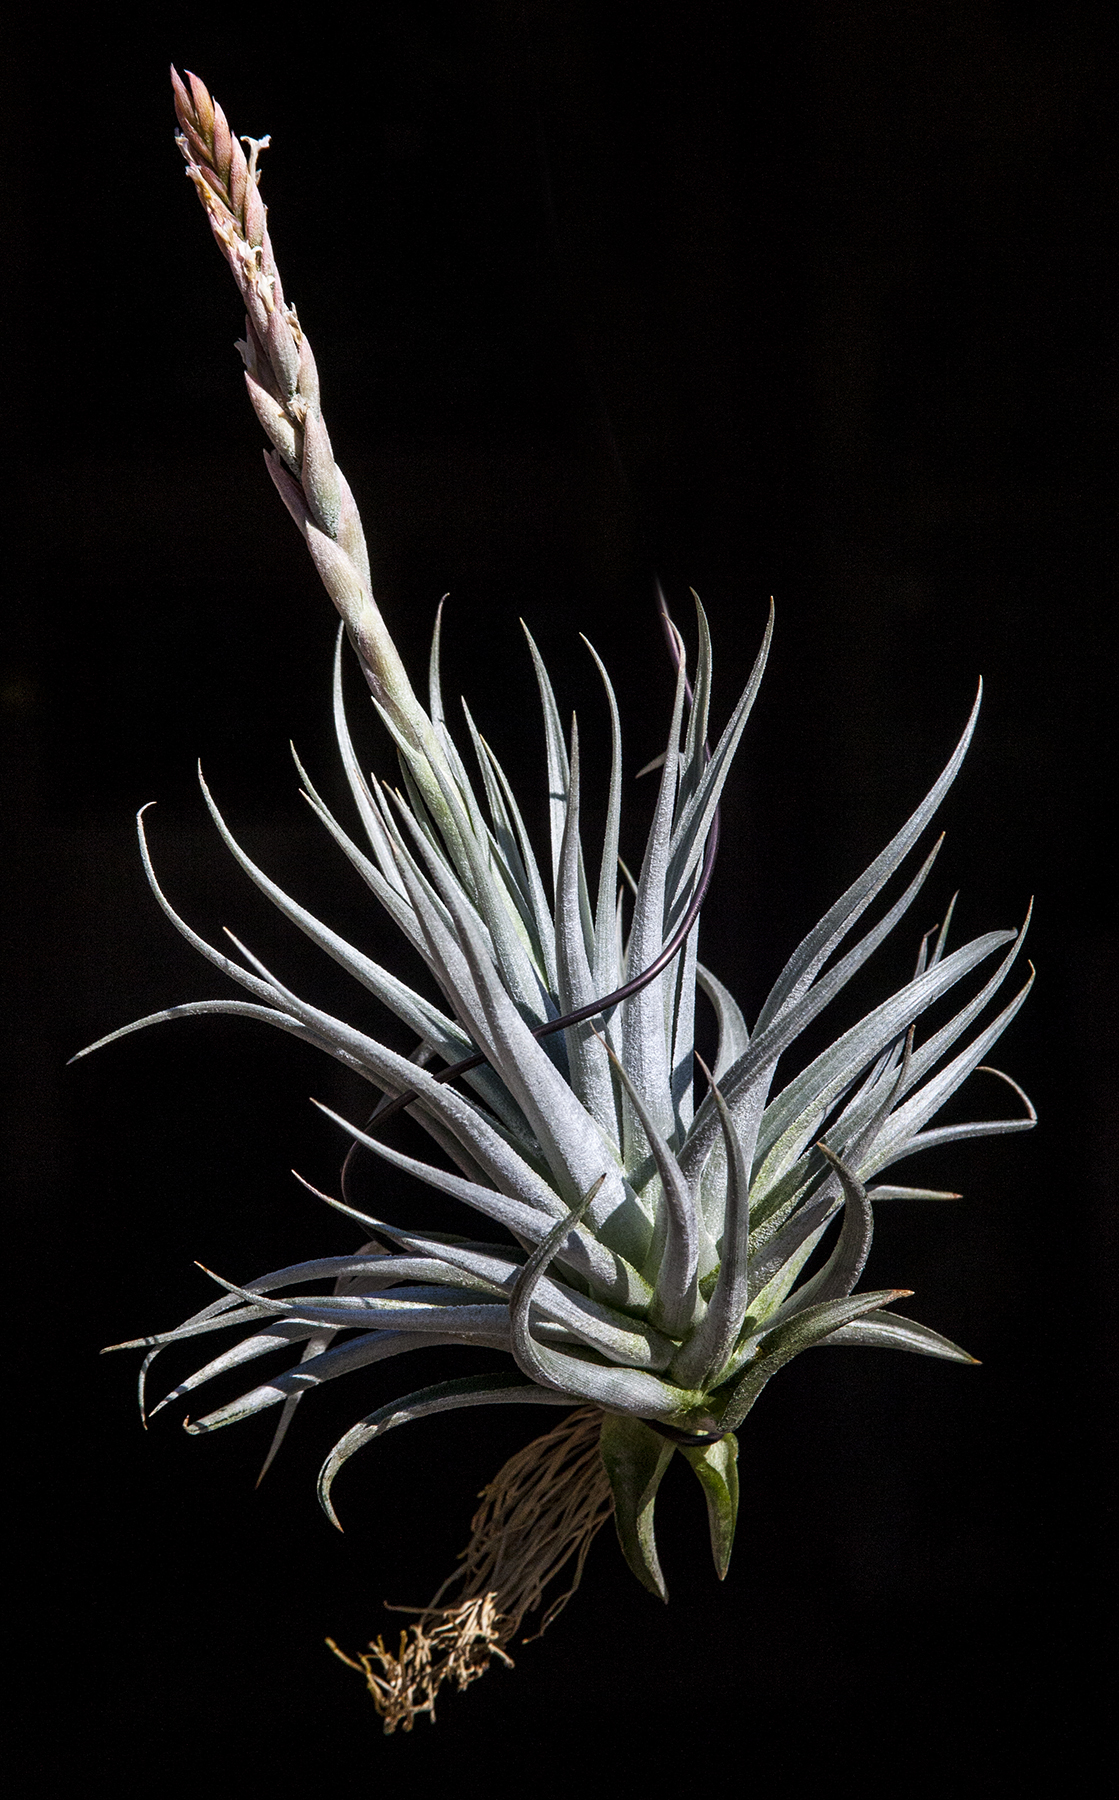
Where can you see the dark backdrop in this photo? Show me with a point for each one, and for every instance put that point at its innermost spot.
(821, 307)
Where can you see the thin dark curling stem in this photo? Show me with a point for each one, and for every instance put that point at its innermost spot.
(388, 1108)
(694, 1438)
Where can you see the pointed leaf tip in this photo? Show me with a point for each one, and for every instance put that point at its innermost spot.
(635, 1458)
(716, 1467)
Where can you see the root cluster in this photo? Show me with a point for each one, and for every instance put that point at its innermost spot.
(541, 1512)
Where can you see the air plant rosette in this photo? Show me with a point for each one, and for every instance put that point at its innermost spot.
(652, 1223)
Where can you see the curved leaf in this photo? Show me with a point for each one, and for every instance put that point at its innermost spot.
(788, 1340)
(635, 1459)
(889, 1331)
(716, 1467)
(443, 1396)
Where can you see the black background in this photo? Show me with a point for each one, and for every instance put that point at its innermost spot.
(821, 307)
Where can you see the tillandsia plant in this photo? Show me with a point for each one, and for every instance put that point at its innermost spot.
(649, 1261)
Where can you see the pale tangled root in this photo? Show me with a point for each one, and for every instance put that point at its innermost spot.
(543, 1508)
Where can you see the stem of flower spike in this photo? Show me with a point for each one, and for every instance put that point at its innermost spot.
(593, 1008)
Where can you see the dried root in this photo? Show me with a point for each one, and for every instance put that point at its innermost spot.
(542, 1509)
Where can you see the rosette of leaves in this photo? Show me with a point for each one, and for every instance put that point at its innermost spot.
(650, 1250)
